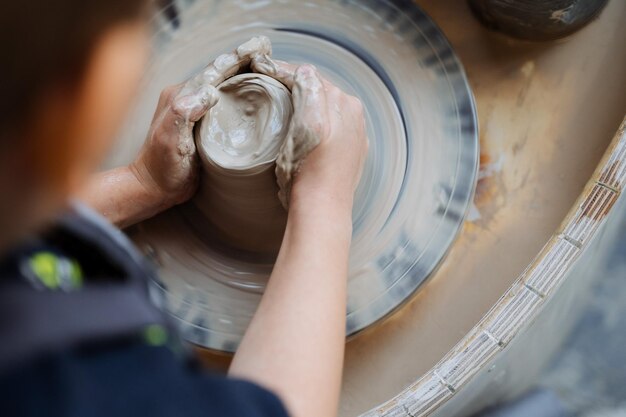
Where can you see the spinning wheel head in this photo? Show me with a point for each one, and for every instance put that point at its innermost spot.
(418, 179)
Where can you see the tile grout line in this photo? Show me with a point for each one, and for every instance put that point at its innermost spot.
(608, 187)
(444, 382)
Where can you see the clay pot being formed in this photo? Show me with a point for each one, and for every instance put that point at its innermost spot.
(238, 142)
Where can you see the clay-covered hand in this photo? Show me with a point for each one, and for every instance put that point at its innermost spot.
(167, 165)
(326, 122)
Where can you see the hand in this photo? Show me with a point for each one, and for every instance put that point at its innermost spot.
(330, 125)
(167, 165)
(295, 342)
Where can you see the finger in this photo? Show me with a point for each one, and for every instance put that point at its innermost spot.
(227, 65)
(308, 124)
(259, 45)
(179, 111)
(176, 133)
(279, 70)
(199, 94)
(193, 105)
(168, 94)
(309, 100)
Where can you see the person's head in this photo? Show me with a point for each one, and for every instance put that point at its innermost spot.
(70, 69)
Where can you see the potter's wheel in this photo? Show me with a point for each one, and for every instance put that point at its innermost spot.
(417, 183)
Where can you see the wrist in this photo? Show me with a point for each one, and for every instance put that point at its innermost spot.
(148, 190)
(321, 197)
(319, 207)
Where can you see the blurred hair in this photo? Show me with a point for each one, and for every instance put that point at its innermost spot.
(47, 43)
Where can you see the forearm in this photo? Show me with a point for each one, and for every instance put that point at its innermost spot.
(118, 195)
(295, 343)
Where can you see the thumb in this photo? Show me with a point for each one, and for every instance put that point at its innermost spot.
(309, 100)
(279, 70)
(192, 105)
(309, 124)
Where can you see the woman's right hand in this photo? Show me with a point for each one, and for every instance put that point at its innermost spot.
(295, 342)
(332, 170)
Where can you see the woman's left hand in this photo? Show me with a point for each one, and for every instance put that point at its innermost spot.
(167, 165)
(166, 171)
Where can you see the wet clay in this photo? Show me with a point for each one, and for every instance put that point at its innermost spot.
(200, 93)
(213, 298)
(238, 142)
(415, 184)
